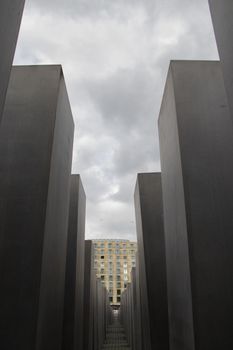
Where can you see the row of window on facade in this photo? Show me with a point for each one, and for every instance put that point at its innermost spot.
(110, 271)
(110, 257)
(110, 264)
(111, 251)
(118, 299)
(110, 292)
(118, 277)
(118, 265)
(116, 284)
(110, 245)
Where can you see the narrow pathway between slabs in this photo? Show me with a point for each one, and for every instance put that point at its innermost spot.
(115, 336)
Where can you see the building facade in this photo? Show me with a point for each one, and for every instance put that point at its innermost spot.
(114, 260)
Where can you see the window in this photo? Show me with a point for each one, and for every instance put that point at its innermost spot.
(102, 278)
(110, 257)
(124, 252)
(110, 299)
(117, 251)
(126, 278)
(125, 264)
(118, 264)
(118, 299)
(125, 285)
(102, 257)
(118, 292)
(110, 284)
(118, 277)
(102, 264)
(109, 245)
(102, 251)
(118, 270)
(102, 271)
(118, 284)
(110, 277)
(118, 257)
(102, 245)
(125, 257)
(110, 251)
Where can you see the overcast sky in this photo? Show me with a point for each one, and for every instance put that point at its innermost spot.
(115, 55)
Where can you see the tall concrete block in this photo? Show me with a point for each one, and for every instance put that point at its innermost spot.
(138, 323)
(89, 290)
(196, 144)
(10, 19)
(222, 14)
(151, 260)
(97, 310)
(74, 287)
(36, 138)
(129, 313)
(134, 309)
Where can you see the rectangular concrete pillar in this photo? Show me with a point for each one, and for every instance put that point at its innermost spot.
(196, 144)
(74, 287)
(10, 19)
(138, 326)
(134, 309)
(151, 260)
(36, 138)
(222, 14)
(89, 290)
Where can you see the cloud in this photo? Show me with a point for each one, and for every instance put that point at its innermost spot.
(115, 56)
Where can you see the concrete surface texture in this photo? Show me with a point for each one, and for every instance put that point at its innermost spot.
(196, 145)
(138, 320)
(74, 286)
(89, 286)
(115, 337)
(151, 260)
(10, 19)
(36, 139)
(97, 310)
(222, 14)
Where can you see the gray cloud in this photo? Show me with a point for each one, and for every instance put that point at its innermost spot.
(115, 56)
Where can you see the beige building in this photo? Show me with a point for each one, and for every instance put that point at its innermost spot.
(114, 260)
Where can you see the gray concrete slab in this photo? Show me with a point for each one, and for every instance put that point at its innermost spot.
(222, 14)
(138, 335)
(89, 290)
(97, 310)
(36, 139)
(10, 19)
(115, 337)
(135, 329)
(151, 260)
(74, 289)
(196, 145)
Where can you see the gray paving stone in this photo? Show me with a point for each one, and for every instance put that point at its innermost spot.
(115, 337)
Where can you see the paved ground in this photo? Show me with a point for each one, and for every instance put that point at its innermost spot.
(115, 338)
